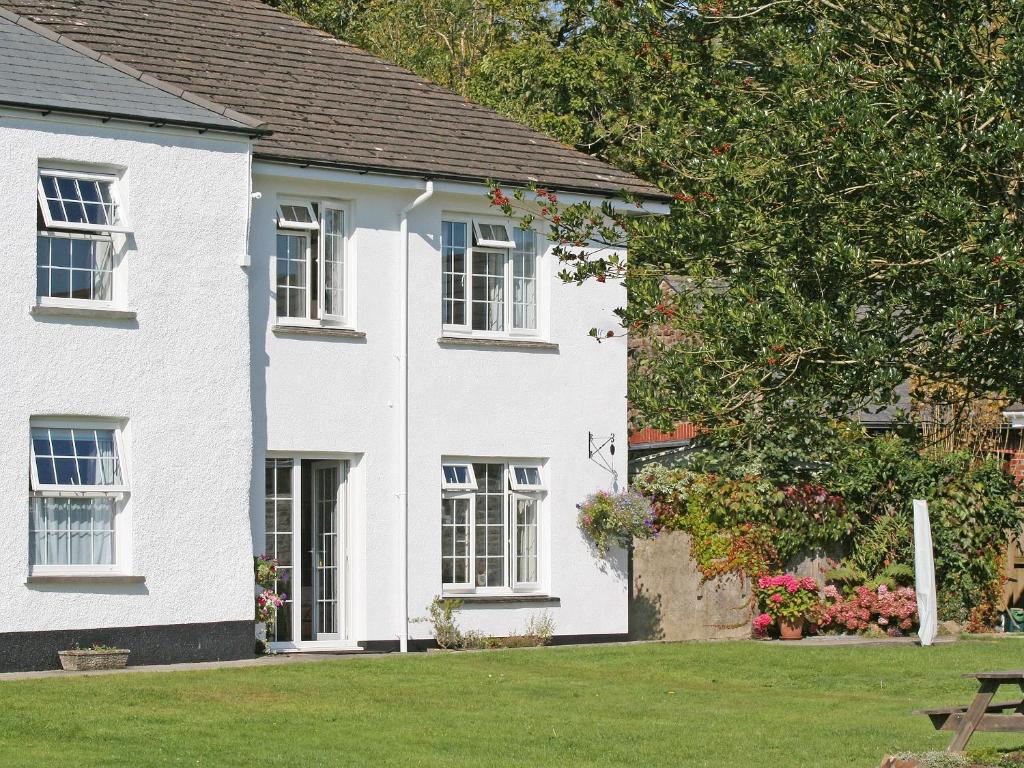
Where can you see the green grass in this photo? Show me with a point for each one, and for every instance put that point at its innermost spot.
(710, 704)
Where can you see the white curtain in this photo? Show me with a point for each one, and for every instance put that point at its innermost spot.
(924, 574)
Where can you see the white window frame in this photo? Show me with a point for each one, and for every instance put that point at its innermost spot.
(512, 584)
(526, 487)
(122, 218)
(333, 320)
(118, 494)
(60, 301)
(508, 309)
(286, 223)
(469, 485)
(517, 585)
(486, 242)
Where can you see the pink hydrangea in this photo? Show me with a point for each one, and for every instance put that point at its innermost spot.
(776, 598)
(761, 624)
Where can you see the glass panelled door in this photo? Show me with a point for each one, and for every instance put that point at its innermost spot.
(279, 538)
(326, 553)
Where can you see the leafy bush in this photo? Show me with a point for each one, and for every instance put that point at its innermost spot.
(443, 625)
(856, 500)
(616, 519)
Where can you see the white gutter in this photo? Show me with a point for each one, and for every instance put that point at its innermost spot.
(403, 407)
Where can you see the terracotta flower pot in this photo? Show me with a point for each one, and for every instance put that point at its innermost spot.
(791, 630)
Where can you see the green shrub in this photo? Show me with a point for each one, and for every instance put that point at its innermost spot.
(856, 500)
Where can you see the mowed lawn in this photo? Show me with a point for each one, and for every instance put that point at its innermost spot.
(712, 704)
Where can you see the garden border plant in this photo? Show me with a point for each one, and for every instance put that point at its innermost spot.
(753, 515)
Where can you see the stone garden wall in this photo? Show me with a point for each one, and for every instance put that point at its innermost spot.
(669, 600)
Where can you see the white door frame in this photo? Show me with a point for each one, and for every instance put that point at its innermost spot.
(294, 587)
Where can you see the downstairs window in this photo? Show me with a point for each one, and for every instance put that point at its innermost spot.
(490, 527)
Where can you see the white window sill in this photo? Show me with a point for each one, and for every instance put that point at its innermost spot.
(99, 312)
(82, 577)
(286, 329)
(524, 597)
(495, 343)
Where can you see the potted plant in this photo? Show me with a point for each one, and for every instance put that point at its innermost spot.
(268, 575)
(786, 601)
(94, 657)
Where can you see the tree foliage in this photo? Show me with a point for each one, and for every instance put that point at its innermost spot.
(847, 181)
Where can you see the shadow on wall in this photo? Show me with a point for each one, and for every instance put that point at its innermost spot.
(644, 613)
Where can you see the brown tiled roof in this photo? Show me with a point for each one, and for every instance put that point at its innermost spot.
(327, 102)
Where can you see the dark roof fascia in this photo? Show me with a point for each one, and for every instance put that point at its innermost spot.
(468, 178)
(106, 116)
(249, 125)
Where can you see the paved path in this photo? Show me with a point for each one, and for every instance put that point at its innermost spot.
(257, 661)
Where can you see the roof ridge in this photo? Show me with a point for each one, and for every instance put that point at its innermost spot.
(125, 69)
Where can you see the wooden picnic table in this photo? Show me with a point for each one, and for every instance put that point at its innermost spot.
(982, 714)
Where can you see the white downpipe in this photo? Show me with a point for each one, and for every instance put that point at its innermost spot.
(403, 406)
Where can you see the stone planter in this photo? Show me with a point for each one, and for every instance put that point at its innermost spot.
(84, 661)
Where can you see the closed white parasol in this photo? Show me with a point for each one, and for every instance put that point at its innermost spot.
(924, 574)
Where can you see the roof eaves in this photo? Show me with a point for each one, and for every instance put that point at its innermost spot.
(591, 191)
(249, 124)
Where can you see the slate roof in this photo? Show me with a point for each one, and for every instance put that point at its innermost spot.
(37, 69)
(327, 102)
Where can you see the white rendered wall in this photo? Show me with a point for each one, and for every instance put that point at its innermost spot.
(336, 396)
(178, 376)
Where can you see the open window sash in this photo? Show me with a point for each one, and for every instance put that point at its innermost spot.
(99, 464)
(524, 521)
(458, 477)
(81, 202)
(492, 234)
(525, 477)
(464, 504)
(297, 216)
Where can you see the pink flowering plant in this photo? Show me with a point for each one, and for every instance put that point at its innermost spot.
(785, 598)
(892, 611)
(615, 519)
(268, 576)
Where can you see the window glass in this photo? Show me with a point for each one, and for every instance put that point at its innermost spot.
(526, 539)
(453, 259)
(74, 268)
(524, 280)
(78, 201)
(334, 262)
(71, 531)
(292, 281)
(488, 291)
(71, 457)
(455, 533)
(279, 530)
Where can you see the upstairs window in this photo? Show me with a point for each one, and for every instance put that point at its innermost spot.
(312, 264)
(76, 486)
(489, 276)
(74, 249)
(79, 201)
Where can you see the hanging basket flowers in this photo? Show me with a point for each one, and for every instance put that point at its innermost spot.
(615, 519)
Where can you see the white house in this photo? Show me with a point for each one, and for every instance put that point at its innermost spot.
(271, 310)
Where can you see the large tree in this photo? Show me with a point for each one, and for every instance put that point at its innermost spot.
(847, 179)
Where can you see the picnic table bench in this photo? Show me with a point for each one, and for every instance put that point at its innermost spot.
(982, 714)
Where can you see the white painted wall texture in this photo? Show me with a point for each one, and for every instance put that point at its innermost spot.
(201, 417)
(340, 396)
(178, 376)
